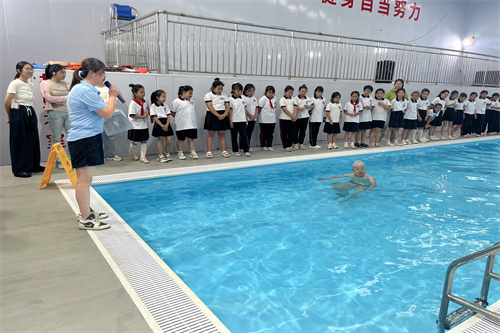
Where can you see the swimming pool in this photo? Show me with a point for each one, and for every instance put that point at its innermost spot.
(267, 249)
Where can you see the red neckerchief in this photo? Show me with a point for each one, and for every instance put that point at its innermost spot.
(141, 104)
(354, 105)
(271, 103)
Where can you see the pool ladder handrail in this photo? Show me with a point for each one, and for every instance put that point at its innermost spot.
(468, 308)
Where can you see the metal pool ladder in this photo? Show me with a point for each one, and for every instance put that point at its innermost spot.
(447, 321)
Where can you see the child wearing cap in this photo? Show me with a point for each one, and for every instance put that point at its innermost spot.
(359, 180)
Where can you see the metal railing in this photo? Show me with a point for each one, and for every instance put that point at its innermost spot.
(468, 308)
(165, 41)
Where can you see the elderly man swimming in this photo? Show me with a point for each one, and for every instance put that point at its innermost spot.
(359, 180)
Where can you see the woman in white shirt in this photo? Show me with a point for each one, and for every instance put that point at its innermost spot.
(21, 116)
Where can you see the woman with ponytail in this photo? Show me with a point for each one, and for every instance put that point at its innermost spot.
(86, 112)
(23, 133)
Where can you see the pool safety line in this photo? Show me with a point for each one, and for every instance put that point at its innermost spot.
(165, 301)
(180, 170)
(478, 323)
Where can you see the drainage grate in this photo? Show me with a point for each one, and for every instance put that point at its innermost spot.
(170, 303)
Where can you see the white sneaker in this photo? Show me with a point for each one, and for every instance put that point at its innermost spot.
(315, 147)
(352, 146)
(161, 159)
(270, 148)
(194, 156)
(265, 148)
(296, 147)
(168, 157)
(247, 154)
(302, 147)
(444, 137)
(346, 145)
(180, 155)
(452, 137)
(390, 144)
(414, 141)
(250, 150)
(288, 149)
(403, 142)
(236, 153)
(114, 158)
(329, 146)
(466, 135)
(334, 146)
(399, 143)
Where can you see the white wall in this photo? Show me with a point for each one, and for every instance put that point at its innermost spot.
(483, 23)
(44, 30)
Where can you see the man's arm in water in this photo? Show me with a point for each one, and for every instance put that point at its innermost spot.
(351, 175)
(373, 182)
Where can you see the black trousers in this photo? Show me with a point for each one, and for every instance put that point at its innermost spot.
(478, 123)
(241, 129)
(313, 133)
(491, 121)
(468, 124)
(250, 127)
(266, 134)
(24, 140)
(286, 131)
(300, 130)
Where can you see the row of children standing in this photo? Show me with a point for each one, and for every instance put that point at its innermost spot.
(417, 116)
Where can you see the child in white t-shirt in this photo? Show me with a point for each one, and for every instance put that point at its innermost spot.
(365, 119)
(303, 105)
(185, 121)
(267, 118)
(410, 119)
(138, 111)
(160, 115)
(333, 119)
(399, 105)
(469, 114)
(252, 108)
(379, 116)
(352, 110)
(316, 117)
(238, 120)
(288, 117)
(422, 115)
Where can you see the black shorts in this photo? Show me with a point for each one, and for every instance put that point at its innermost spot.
(410, 124)
(422, 114)
(449, 114)
(351, 127)
(86, 152)
(459, 118)
(158, 131)
(365, 125)
(331, 129)
(191, 133)
(212, 123)
(138, 135)
(396, 119)
(378, 124)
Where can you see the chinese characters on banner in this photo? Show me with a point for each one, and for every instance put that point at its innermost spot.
(384, 7)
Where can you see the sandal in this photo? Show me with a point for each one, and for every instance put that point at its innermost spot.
(225, 154)
(209, 154)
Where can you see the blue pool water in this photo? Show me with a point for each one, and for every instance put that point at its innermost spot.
(268, 250)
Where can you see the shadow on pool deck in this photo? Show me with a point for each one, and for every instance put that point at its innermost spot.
(53, 277)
